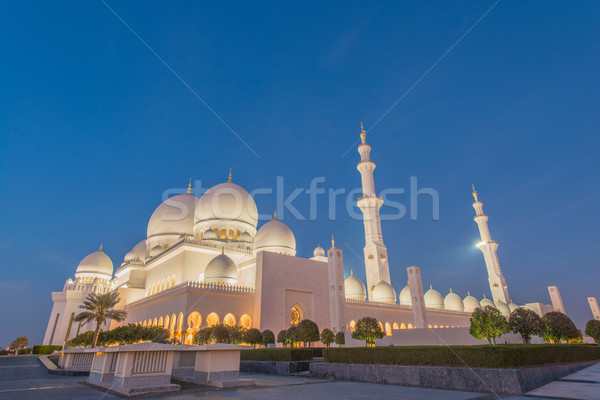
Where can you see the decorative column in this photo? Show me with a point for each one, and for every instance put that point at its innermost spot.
(337, 296)
(556, 299)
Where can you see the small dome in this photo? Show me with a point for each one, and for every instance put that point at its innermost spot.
(275, 236)
(209, 234)
(131, 256)
(221, 269)
(453, 302)
(140, 250)
(96, 263)
(503, 308)
(433, 299)
(383, 292)
(156, 250)
(319, 252)
(471, 303)
(174, 216)
(227, 202)
(354, 288)
(405, 298)
(486, 302)
(512, 306)
(69, 281)
(246, 237)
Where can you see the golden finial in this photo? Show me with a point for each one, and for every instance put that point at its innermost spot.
(430, 286)
(189, 187)
(100, 250)
(484, 295)
(468, 293)
(332, 241)
(223, 250)
(407, 283)
(363, 134)
(474, 192)
(351, 274)
(229, 179)
(275, 215)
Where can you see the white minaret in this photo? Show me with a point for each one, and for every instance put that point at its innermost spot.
(594, 306)
(376, 261)
(337, 297)
(556, 299)
(489, 248)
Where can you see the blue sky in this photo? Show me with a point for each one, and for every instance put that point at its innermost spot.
(94, 128)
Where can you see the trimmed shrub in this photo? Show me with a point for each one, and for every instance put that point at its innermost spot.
(327, 337)
(279, 354)
(340, 339)
(268, 337)
(502, 356)
(24, 351)
(48, 349)
(558, 327)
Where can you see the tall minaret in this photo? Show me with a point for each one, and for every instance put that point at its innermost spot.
(376, 261)
(489, 247)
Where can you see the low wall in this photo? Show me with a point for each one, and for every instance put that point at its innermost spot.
(494, 380)
(274, 367)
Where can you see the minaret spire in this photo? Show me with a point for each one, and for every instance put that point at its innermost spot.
(229, 179)
(189, 187)
(376, 261)
(332, 241)
(489, 249)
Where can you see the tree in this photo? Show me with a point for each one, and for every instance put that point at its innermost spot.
(203, 336)
(99, 308)
(281, 337)
(367, 329)
(488, 323)
(123, 335)
(327, 337)
(220, 334)
(592, 329)
(558, 327)
(291, 335)
(526, 323)
(268, 337)
(19, 343)
(340, 339)
(308, 332)
(236, 334)
(253, 337)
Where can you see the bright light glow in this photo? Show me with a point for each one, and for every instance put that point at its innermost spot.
(480, 244)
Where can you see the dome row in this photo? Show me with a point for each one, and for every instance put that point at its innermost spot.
(383, 292)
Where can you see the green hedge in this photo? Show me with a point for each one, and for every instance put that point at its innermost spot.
(502, 356)
(278, 354)
(48, 349)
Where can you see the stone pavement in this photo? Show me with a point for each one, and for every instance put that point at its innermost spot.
(23, 377)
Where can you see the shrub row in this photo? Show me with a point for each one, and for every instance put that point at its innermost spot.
(279, 354)
(503, 356)
(47, 349)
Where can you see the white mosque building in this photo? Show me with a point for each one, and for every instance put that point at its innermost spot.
(204, 262)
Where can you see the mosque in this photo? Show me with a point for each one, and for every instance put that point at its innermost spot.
(204, 262)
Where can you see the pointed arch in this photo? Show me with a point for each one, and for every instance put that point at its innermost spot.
(388, 329)
(212, 319)
(395, 326)
(409, 326)
(180, 322)
(229, 319)
(246, 321)
(352, 325)
(402, 325)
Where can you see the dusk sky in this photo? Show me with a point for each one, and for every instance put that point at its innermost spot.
(95, 128)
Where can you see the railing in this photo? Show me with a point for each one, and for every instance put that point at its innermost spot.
(220, 287)
(149, 361)
(82, 359)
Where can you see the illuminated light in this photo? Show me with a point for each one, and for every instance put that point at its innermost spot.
(480, 244)
(98, 353)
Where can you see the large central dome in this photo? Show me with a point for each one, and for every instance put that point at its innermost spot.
(226, 206)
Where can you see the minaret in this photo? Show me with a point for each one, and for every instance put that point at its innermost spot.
(489, 248)
(337, 296)
(376, 261)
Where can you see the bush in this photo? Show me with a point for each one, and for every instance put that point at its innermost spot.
(268, 337)
(24, 351)
(123, 335)
(291, 335)
(39, 349)
(592, 329)
(253, 337)
(280, 354)
(340, 339)
(488, 323)
(281, 337)
(503, 356)
(559, 327)
(525, 323)
(367, 329)
(327, 337)
(308, 332)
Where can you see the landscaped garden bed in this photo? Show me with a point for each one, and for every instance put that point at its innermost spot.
(502, 356)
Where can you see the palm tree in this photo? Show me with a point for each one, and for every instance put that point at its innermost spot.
(19, 343)
(100, 307)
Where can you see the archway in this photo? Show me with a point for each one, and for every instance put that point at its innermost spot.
(410, 326)
(352, 325)
(166, 325)
(194, 321)
(381, 326)
(402, 326)
(229, 319)
(246, 321)
(395, 326)
(388, 329)
(173, 324)
(212, 319)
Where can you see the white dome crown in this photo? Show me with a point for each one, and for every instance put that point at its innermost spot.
(512, 306)
(221, 269)
(354, 288)
(503, 308)
(226, 206)
(471, 303)
(383, 292)
(97, 263)
(486, 302)
(404, 297)
(319, 252)
(275, 236)
(433, 299)
(453, 302)
(173, 217)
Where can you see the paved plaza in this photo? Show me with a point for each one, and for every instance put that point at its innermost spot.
(24, 377)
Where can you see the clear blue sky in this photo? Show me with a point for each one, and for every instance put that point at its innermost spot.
(94, 128)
